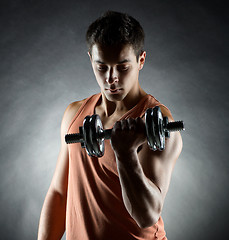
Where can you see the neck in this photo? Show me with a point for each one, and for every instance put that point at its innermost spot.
(117, 108)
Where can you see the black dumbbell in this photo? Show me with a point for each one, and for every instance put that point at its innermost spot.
(92, 135)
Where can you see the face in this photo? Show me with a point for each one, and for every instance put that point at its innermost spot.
(116, 70)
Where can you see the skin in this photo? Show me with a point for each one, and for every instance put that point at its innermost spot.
(144, 174)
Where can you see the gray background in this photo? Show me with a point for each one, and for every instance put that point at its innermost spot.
(44, 66)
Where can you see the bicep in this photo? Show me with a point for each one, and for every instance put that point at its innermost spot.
(158, 165)
(60, 178)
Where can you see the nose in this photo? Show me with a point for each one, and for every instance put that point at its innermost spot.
(112, 77)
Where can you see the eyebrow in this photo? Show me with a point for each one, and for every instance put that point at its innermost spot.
(120, 62)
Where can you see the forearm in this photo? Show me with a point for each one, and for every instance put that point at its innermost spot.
(52, 219)
(141, 197)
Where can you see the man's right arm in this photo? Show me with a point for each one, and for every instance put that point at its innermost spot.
(53, 214)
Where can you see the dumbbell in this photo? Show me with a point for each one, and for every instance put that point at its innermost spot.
(92, 135)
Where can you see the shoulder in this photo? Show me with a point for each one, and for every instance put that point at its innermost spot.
(151, 102)
(73, 107)
(175, 139)
(69, 114)
(166, 112)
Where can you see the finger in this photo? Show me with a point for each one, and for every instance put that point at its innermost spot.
(124, 124)
(131, 123)
(140, 124)
(117, 126)
(140, 121)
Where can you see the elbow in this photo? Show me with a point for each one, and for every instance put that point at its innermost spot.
(147, 220)
(146, 223)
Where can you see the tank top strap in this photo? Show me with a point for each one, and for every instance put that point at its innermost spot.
(148, 101)
(152, 102)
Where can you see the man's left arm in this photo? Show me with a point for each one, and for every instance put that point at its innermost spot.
(144, 174)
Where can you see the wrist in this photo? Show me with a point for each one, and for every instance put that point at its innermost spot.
(130, 153)
(127, 159)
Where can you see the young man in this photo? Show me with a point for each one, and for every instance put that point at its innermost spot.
(120, 195)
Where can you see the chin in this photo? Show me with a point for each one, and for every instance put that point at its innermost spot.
(114, 97)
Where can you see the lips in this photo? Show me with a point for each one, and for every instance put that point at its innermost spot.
(116, 90)
(113, 90)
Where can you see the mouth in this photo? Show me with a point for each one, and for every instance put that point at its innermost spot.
(116, 90)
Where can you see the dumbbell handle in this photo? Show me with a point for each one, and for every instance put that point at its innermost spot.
(170, 127)
(78, 137)
(106, 134)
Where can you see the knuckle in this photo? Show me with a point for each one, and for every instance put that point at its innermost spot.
(117, 125)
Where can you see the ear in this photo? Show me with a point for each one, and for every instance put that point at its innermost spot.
(141, 60)
(88, 53)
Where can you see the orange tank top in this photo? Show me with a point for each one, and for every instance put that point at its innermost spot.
(95, 209)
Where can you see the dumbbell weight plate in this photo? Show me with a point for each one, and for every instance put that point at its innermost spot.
(87, 136)
(158, 128)
(97, 141)
(149, 124)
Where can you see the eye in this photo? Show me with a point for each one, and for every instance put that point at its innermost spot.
(122, 68)
(102, 68)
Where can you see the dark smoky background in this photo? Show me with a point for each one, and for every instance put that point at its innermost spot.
(44, 66)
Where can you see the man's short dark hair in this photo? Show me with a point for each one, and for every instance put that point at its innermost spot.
(114, 28)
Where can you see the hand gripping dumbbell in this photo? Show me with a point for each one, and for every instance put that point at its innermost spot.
(92, 135)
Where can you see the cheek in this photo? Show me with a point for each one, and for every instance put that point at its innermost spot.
(129, 78)
(100, 79)
(99, 76)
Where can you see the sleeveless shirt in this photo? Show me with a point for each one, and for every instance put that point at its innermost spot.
(95, 208)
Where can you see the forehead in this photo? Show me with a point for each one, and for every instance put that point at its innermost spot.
(112, 54)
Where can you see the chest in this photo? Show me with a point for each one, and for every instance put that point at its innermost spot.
(108, 122)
